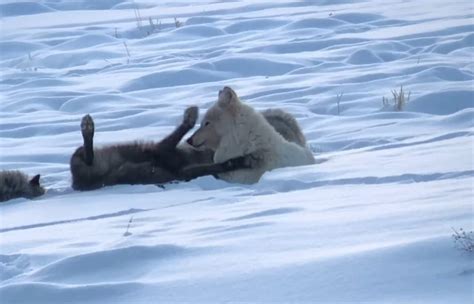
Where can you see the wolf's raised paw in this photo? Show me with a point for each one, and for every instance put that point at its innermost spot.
(190, 116)
(241, 162)
(251, 161)
(87, 126)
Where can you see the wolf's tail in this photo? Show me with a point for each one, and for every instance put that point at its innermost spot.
(285, 124)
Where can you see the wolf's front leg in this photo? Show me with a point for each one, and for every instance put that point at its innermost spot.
(195, 171)
(189, 120)
(252, 172)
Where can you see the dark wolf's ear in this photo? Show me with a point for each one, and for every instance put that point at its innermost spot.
(35, 181)
(227, 96)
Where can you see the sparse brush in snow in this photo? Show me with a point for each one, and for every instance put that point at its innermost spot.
(152, 25)
(464, 240)
(339, 97)
(127, 233)
(177, 23)
(28, 64)
(400, 99)
(138, 16)
(128, 52)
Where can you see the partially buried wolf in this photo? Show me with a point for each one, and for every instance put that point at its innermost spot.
(144, 163)
(271, 139)
(15, 184)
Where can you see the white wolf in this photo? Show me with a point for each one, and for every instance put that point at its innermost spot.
(232, 128)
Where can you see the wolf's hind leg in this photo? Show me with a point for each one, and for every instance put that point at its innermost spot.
(87, 130)
(189, 120)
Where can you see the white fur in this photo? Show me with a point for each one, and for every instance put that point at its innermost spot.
(248, 132)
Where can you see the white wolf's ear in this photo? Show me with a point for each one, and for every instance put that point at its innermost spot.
(35, 181)
(227, 96)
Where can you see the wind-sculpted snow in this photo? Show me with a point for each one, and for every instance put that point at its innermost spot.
(371, 221)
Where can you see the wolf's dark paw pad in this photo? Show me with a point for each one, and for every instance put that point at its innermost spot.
(251, 161)
(87, 126)
(240, 162)
(190, 116)
(243, 162)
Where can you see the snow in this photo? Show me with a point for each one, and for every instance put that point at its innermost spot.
(370, 222)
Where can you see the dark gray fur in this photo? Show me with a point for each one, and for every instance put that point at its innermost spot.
(15, 184)
(143, 163)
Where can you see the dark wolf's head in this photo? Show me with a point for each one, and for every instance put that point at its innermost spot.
(14, 184)
(34, 189)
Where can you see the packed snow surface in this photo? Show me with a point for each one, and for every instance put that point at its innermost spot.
(370, 222)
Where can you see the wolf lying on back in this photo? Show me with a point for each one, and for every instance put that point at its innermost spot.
(231, 128)
(14, 184)
(143, 163)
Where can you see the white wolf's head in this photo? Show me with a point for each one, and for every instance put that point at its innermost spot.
(219, 121)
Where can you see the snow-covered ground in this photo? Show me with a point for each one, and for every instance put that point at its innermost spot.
(371, 222)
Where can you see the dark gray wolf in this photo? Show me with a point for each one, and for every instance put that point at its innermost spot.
(14, 184)
(144, 163)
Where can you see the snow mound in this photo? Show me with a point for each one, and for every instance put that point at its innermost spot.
(244, 66)
(310, 23)
(253, 25)
(200, 31)
(13, 49)
(171, 79)
(23, 8)
(358, 17)
(364, 56)
(85, 41)
(443, 103)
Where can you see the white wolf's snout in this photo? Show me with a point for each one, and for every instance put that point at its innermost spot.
(191, 142)
(196, 139)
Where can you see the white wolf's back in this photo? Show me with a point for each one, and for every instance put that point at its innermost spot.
(259, 138)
